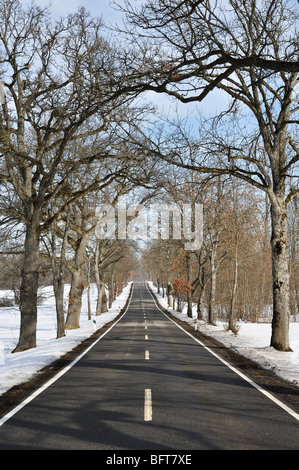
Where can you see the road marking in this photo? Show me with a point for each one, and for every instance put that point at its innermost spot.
(146, 337)
(145, 327)
(238, 372)
(147, 355)
(61, 372)
(148, 413)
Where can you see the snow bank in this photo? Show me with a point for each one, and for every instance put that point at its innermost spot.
(19, 367)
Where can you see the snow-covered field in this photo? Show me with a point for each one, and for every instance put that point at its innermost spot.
(252, 340)
(19, 367)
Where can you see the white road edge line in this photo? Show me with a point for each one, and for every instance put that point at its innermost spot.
(148, 414)
(59, 374)
(251, 382)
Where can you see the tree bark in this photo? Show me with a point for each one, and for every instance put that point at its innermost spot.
(102, 297)
(202, 284)
(189, 291)
(231, 325)
(170, 294)
(58, 269)
(77, 287)
(58, 285)
(280, 272)
(29, 287)
(212, 315)
(98, 279)
(75, 300)
(200, 310)
(88, 268)
(111, 290)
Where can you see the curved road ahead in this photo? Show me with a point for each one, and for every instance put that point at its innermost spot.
(147, 385)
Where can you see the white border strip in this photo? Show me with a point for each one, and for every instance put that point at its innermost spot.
(60, 373)
(251, 382)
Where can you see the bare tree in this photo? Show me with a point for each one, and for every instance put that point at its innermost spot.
(183, 41)
(187, 51)
(58, 262)
(55, 92)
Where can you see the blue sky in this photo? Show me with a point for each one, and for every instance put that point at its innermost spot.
(95, 7)
(215, 102)
(104, 9)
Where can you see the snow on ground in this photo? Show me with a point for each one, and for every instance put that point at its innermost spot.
(19, 367)
(251, 341)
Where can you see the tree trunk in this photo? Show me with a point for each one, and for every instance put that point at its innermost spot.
(29, 287)
(189, 303)
(170, 294)
(212, 316)
(58, 284)
(88, 288)
(100, 297)
(231, 326)
(189, 291)
(75, 300)
(163, 290)
(111, 290)
(104, 299)
(280, 273)
(77, 288)
(202, 284)
(58, 269)
(200, 312)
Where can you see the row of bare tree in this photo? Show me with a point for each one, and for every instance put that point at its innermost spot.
(230, 276)
(60, 154)
(76, 130)
(247, 54)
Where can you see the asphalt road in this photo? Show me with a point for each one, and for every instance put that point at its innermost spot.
(147, 385)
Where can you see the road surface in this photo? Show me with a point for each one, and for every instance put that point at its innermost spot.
(147, 385)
